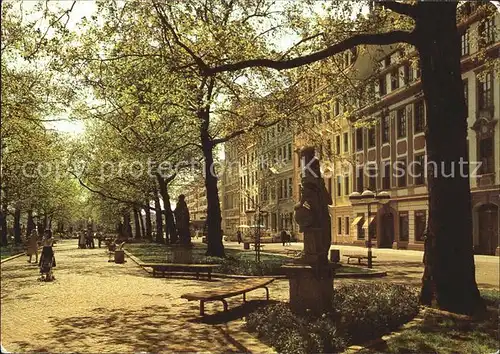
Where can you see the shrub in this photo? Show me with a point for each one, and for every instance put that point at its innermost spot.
(366, 311)
(361, 312)
(289, 333)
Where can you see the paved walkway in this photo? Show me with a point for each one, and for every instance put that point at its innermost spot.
(95, 306)
(401, 265)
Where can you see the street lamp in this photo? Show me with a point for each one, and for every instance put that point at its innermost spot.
(259, 213)
(371, 198)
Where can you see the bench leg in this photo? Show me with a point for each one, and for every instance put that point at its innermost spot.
(210, 275)
(244, 297)
(202, 308)
(225, 304)
(154, 272)
(267, 292)
(359, 260)
(197, 276)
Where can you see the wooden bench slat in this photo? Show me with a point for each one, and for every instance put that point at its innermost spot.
(179, 265)
(228, 291)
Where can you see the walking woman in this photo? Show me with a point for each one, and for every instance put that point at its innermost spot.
(47, 259)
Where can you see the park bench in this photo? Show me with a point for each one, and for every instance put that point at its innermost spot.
(293, 253)
(222, 293)
(168, 268)
(259, 246)
(359, 257)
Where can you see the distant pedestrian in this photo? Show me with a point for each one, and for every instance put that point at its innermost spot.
(81, 239)
(33, 245)
(283, 237)
(238, 235)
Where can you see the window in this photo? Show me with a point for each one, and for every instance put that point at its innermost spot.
(486, 155)
(359, 139)
(339, 226)
(346, 142)
(337, 144)
(408, 74)
(387, 61)
(359, 179)
(347, 225)
(385, 129)
(339, 186)
(361, 231)
(394, 79)
(485, 92)
(372, 176)
(487, 31)
(401, 172)
(336, 108)
(404, 226)
(290, 187)
(280, 189)
(382, 86)
(419, 169)
(401, 122)
(386, 177)
(420, 222)
(419, 117)
(465, 42)
(466, 94)
(371, 137)
(289, 151)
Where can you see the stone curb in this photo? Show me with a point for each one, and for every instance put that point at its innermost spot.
(12, 257)
(236, 276)
(413, 323)
(16, 256)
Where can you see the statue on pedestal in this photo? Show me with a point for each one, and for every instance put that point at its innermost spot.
(312, 213)
(181, 213)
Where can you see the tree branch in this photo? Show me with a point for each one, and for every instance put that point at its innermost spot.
(400, 8)
(373, 39)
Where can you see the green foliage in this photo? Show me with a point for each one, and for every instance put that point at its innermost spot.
(361, 312)
(370, 310)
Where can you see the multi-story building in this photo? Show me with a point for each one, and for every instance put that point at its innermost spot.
(260, 174)
(393, 139)
(230, 190)
(196, 200)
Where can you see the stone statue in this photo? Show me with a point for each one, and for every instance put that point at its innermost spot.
(312, 212)
(181, 213)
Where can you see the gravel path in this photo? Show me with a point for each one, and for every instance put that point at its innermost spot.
(94, 306)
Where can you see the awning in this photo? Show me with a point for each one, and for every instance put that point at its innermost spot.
(356, 221)
(365, 225)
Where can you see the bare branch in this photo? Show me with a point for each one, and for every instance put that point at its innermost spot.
(400, 8)
(379, 38)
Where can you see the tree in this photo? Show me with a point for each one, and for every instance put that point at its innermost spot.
(437, 40)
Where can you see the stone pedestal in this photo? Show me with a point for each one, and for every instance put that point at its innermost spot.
(310, 289)
(182, 254)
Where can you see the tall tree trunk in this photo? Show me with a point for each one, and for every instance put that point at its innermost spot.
(141, 221)
(215, 247)
(170, 229)
(159, 219)
(45, 222)
(449, 258)
(127, 228)
(3, 224)
(30, 224)
(137, 230)
(148, 221)
(17, 226)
